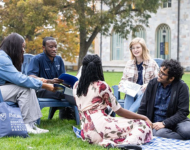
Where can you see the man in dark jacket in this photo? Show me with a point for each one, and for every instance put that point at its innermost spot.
(166, 102)
(48, 67)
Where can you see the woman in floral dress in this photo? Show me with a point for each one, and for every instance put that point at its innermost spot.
(92, 96)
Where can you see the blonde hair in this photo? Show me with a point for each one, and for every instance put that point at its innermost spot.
(145, 51)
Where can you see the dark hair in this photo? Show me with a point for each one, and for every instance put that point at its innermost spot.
(91, 72)
(12, 45)
(174, 69)
(47, 39)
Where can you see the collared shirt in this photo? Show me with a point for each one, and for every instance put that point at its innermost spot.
(140, 77)
(150, 71)
(162, 99)
(42, 66)
(8, 73)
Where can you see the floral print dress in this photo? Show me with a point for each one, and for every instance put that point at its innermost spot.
(99, 128)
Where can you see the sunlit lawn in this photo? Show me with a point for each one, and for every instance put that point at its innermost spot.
(61, 136)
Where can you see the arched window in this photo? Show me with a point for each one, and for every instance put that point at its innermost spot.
(117, 46)
(163, 41)
(139, 32)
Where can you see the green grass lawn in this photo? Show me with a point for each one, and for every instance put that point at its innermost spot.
(61, 136)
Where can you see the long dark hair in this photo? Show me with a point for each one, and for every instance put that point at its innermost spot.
(91, 72)
(12, 45)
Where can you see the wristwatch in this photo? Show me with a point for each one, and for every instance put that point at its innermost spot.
(163, 123)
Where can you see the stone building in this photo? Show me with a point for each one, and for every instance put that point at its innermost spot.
(170, 26)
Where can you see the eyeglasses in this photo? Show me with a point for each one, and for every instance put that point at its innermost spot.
(161, 73)
(133, 48)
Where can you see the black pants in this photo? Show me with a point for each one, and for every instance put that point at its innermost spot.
(42, 93)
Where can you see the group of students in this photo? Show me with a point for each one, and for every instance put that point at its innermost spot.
(162, 107)
(42, 73)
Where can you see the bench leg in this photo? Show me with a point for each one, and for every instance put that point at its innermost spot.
(52, 111)
(77, 118)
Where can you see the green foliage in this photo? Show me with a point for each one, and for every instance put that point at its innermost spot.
(88, 16)
(24, 16)
(84, 16)
(90, 20)
(36, 19)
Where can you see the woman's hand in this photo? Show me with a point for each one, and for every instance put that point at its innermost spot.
(49, 87)
(43, 80)
(149, 122)
(131, 115)
(143, 88)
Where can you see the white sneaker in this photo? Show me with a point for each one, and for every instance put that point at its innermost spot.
(33, 124)
(30, 129)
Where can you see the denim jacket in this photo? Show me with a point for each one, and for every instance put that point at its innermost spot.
(8, 73)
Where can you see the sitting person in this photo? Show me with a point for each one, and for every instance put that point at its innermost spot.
(50, 66)
(166, 102)
(17, 87)
(92, 96)
(140, 69)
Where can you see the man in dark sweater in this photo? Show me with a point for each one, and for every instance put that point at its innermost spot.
(166, 102)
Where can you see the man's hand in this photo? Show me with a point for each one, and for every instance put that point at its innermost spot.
(158, 125)
(55, 80)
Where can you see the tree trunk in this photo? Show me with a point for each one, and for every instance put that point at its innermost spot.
(82, 53)
(82, 30)
(84, 44)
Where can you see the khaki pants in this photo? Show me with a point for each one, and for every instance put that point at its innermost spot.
(26, 99)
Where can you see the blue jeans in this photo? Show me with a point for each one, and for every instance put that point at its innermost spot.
(133, 103)
(181, 131)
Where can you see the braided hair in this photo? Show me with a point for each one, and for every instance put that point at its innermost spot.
(91, 72)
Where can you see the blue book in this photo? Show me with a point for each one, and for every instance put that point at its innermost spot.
(68, 80)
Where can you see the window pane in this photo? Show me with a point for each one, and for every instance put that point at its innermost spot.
(164, 4)
(139, 33)
(117, 47)
(169, 3)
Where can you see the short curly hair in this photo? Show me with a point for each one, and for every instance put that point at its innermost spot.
(47, 39)
(174, 69)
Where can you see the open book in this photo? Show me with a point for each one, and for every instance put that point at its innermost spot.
(68, 80)
(63, 89)
(129, 88)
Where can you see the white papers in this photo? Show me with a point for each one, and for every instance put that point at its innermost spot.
(129, 88)
(68, 91)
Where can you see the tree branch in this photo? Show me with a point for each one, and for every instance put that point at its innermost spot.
(90, 40)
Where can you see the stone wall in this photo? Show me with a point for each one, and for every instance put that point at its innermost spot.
(163, 16)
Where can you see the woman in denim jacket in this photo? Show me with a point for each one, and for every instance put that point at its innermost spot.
(17, 87)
